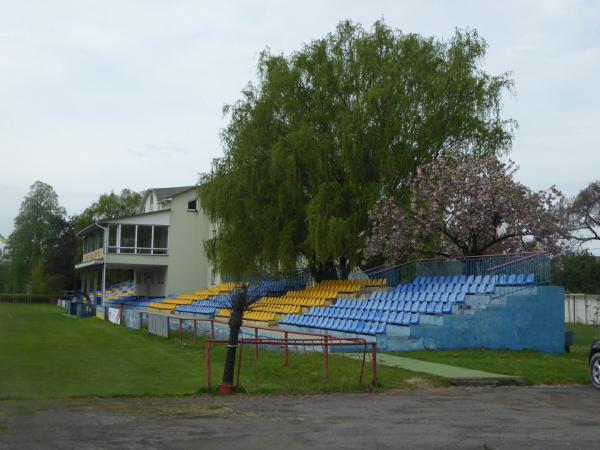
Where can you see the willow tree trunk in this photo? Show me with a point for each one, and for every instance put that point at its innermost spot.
(235, 323)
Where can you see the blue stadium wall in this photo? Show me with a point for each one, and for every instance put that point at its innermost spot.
(527, 321)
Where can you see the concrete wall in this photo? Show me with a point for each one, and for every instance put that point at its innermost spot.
(582, 308)
(534, 321)
(189, 269)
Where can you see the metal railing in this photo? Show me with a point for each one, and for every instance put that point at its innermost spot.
(538, 263)
(122, 250)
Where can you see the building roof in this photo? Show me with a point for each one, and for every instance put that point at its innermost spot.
(164, 193)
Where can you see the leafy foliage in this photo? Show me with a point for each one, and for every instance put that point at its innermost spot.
(462, 204)
(326, 130)
(34, 225)
(577, 272)
(109, 206)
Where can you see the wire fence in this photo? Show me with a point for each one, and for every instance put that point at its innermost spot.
(538, 263)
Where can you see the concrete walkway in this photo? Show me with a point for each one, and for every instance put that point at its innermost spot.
(456, 375)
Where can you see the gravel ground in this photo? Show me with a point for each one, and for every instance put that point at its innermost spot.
(480, 418)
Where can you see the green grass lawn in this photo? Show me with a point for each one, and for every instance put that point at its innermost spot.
(47, 354)
(535, 367)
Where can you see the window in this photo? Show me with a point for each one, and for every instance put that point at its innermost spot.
(193, 205)
(112, 235)
(127, 238)
(144, 239)
(161, 239)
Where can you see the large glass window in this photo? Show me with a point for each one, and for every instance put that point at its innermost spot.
(144, 238)
(112, 235)
(127, 238)
(161, 239)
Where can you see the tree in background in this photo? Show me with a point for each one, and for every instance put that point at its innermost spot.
(60, 250)
(577, 272)
(109, 206)
(583, 214)
(34, 225)
(328, 129)
(464, 205)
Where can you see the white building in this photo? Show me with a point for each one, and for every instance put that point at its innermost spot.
(163, 245)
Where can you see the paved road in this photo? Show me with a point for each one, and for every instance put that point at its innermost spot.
(479, 418)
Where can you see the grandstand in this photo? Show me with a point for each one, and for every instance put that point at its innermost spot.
(508, 310)
(502, 306)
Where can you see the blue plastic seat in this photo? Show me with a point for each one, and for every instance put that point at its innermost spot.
(398, 318)
(415, 307)
(371, 315)
(530, 279)
(512, 279)
(502, 280)
(444, 297)
(429, 296)
(384, 316)
(477, 279)
(446, 308)
(436, 297)
(400, 306)
(460, 297)
(381, 326)
(359, 326)
(405, 319)
(422, 307)
(438, 308)
(393, 305)
(430, 308)
(414, 318)
(486, 279)
(407, 306)
(451, 297)
(421, 296)
(520, 280)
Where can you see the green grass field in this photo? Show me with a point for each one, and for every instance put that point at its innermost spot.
(47, 354)
(535, 367)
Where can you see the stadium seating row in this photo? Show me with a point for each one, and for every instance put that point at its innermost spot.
(421, 296)
(500, 280)
(354, 326)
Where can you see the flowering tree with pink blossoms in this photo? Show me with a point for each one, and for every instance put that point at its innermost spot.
(461, 204)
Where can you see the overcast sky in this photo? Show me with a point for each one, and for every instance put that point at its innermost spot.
(99, 96)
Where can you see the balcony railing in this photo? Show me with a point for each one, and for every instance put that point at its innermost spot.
(121, 250)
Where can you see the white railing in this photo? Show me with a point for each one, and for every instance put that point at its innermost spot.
(122, 250)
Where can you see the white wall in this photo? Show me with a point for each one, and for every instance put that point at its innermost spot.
(582, 308)
(189, 268)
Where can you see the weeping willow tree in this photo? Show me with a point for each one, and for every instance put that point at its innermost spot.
(326, 130)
